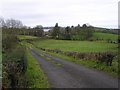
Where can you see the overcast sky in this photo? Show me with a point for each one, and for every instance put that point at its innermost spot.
(102, 13)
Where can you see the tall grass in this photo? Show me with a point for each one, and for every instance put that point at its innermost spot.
(35, 76)
(14, 61)
(14, 67)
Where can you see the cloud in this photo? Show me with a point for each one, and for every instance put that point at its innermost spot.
(65, 12)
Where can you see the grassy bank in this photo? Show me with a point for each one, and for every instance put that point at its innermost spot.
(13, 62)
(23, 37)
(35, 74)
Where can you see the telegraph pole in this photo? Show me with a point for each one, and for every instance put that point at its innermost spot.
(119, 15)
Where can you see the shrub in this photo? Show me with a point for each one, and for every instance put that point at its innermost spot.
(14, 61)
(106, 58)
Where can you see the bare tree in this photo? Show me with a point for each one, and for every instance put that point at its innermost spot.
(11, 23)
(2, 23)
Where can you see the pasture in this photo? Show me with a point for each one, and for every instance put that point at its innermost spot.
(105, 36)
(78, 46)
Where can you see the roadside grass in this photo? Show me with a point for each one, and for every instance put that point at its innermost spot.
(42, 55)
(59, 65)
(112, 70)
(35, 74)
(48, 58)
(77, 46)
(105, 36)
(23, 37)
(14, 67)
(56, 63)
(26, 44)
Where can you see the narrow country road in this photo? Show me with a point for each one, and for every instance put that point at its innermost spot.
(64, 74)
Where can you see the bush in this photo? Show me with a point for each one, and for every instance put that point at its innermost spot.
(14, 61)
(106, 58)
(15, 66)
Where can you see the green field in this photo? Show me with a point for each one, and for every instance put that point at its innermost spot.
(79, 46)
(20, 69)
(105, 36)
(22, 37)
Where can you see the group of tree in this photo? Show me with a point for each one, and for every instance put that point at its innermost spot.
(72, 33)
(84, 32)
(10, 23)
(17, 27)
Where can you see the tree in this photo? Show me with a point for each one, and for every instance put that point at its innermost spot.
(56, 32)
(84, 26)
(78, 26)
(38, 27)
(2, 23)
(38, 31)
(11, 23)
(67, 33)
(88, 31)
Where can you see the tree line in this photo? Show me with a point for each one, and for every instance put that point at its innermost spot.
(13, 26)
(84, 32)
(78, 32)
(57, 32)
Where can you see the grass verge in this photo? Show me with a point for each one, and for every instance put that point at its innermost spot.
(35, 74)
(23, 37)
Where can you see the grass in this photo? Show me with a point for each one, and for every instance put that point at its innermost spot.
(26, 44)
(22, 37)
(105, 36)
(59, 65)
(42, 55)
(56, 63)
(79, 46)
(35, 75)
(48, 58)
